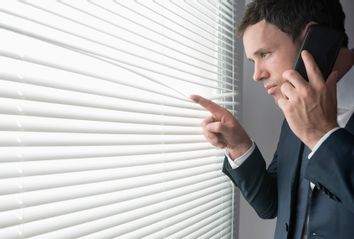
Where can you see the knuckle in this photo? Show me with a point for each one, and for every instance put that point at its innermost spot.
(322, 87)
(306, 93)
(292, 74)
(283, 86)
(214, 140)
(288, 107)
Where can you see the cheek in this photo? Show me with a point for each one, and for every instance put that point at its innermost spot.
(283, 65)
(279, 65)
(285, 57)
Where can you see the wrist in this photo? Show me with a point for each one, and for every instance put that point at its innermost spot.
(316, 136)
(319, 143)
(239, 150)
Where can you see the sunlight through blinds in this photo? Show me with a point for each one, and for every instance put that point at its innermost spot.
(99, 138)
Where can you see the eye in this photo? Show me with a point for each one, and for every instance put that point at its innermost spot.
(264, 54)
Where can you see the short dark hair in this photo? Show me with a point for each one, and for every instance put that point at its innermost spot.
(291, 16)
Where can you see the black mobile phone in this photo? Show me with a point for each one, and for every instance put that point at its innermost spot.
(323, 43)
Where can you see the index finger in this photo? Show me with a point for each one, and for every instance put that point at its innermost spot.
(313, 71)
(215, 109)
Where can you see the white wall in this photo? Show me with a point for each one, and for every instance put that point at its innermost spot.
(348, 6)
(262, 120)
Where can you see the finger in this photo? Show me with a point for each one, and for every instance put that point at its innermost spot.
(287, 90)
(209, 105)
(282, 103)
(208, 120)
(313, 72)
(215, 139)
(211, 137)
(332, 83)
(215, 127)
(294, 78)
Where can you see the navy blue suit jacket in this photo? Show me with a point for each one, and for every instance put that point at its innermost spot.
(272, 192)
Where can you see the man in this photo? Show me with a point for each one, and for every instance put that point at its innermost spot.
(312, 195)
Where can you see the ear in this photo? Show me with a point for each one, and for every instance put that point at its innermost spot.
(306, 28)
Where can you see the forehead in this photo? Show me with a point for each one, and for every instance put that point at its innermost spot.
(263, 35)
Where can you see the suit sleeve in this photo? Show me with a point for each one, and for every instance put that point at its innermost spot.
(256, 183)
(331, 168)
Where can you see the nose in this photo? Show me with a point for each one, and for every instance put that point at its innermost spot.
(259, 73)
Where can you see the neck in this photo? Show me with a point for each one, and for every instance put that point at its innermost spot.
(344, 62)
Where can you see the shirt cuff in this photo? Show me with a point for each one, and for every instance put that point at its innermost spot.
(319, 143)
(238, 161)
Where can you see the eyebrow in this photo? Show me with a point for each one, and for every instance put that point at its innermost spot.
(261, 50)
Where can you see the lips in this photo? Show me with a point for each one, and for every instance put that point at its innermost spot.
(270, 89)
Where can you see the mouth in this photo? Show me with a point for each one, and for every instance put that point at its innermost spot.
(270, 89)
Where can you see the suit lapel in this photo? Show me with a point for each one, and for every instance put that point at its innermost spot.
(292, 152)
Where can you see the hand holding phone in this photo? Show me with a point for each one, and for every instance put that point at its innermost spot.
(323, 43)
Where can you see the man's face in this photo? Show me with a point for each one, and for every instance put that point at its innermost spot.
(272, 52)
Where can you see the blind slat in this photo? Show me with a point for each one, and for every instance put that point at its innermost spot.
(64, 139)
(222, 230)
(99, 138)
(197, 226)
(124, 189)
(119, 59)
(45, 94)
(30, 124)
(109, 215)
(36, 75)
(207, 210)
(43, 109)
(143, 24)
(42, 167)
(17, 185)
(29, 214)
(48, 153)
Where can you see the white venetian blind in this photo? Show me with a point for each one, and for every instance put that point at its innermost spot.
(98, 136)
